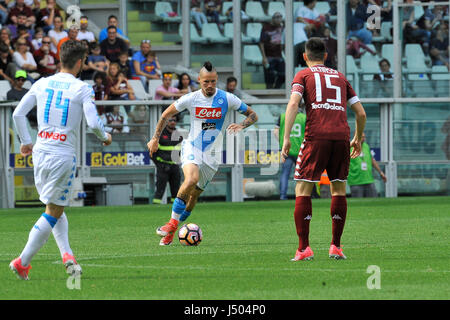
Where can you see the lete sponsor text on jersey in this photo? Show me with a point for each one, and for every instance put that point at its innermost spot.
(208, 113)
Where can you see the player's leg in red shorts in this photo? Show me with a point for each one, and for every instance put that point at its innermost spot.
(311, 162)
(337, 170)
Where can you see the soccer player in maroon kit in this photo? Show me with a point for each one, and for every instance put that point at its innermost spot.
(327, 144)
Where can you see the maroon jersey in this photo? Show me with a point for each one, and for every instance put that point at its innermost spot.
(326, 93)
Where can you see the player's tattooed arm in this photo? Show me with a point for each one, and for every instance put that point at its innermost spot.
(153, 144)
(251, 118)
(160, 127)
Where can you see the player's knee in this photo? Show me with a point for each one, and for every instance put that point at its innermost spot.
(191, 182)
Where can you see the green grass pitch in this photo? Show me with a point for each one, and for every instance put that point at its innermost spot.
(245, 253)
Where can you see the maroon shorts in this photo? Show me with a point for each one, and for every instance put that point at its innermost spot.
(316, 156)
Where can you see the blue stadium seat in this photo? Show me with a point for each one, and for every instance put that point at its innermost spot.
(276, 6)
(161, 10)
(211, 32)
(322, 7)
(254, 31)
(195, 37)
(229, 33)
(441, 80)
(252, 54)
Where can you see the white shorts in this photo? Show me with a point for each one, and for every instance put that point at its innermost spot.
(206, 164)
(53, 177)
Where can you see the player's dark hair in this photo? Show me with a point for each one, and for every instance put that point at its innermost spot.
(208, 66)
(71, 52)
(315, 49)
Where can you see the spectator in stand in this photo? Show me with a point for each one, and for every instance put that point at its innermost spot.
(20, 21)
(331, 45)
(115, 121)
(84, 33)
(137, 119)
(113, 21)
(71, 35)
(356, 19)
(307, 20)
(46, 60)
(136, 60)
(46, 16)
(101, 91)
(385, 71)
(3, 11)
(166, 91)
(5, 38)
(24, 33)
(86, 72)
(120, 89)
(231, 87)
(17, 92)
(112, 46)
(150, 66)
(125, 64)
(96, 61)
(439, 44)
(213, 8)
(185, 84)
(271, 44)
(198, 15)
(426, 23)
(37, 39)
(24, 60)
(7, 66)
(385, 11)
(356, 48)
(57, 33)
(20, 7)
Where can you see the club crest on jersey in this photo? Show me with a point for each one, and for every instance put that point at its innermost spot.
(220, 101)
(208, 113)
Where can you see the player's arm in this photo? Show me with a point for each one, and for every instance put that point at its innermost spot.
(251, 118)
(92, 119)
(291, 113)
(20, 121)
(360, 123)
(152, 145)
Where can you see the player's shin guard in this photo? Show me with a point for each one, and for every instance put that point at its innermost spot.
(302, 216)
(338, 216)
(38, 237)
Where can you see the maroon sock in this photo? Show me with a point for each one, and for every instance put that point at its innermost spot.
(302, 216)
(338, 215)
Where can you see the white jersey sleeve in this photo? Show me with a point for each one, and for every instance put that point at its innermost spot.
(236, 104)
(90, 112)
(184, 102)
(19, 116)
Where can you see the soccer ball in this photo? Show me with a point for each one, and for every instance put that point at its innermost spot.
(190, 235)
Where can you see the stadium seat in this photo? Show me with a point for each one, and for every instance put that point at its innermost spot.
(387, 51)
(211, 32)
(252, 55)
(195, 37)
(297, 4)
(418, 85)
(229, 33)
(276, 6)
(225, 6)
(415, 58)
(322, 7)
(418, 12)
(152, 85)
(255, 11)
(254, 31)
(4, 88)
(441, 80)
(162, 8)
(386, 31)
(369, 66)
(352, 73)
(139, 90)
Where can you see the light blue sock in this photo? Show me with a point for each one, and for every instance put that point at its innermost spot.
(178, 207)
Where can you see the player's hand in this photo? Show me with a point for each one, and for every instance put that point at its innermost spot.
(26, 149)
(383, 176)
(152, 146)
(356, 144)
(234, 128)
(285, 150)
(107, 142)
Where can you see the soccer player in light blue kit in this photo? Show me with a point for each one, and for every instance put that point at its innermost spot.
(61, 100)
(208, 109)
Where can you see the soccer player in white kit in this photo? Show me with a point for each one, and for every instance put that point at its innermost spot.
(61, 100)
(208, 108)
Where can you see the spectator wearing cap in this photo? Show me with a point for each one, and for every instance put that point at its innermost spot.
(20, 7)
(84, 32)
(46, 60)
(112, 46)
(72, 35)
(166, 91)
(138, 58)
(46, 16)
(113, 21)
(18, 91)
(7, 66)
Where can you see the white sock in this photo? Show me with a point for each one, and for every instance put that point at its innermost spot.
(37, 238)
(61, 235)
(175, 216)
